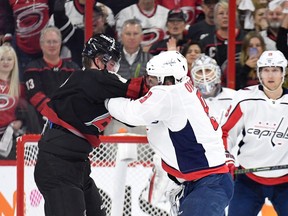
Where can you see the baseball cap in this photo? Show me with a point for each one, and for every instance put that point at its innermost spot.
(210, 1)
(176, 14)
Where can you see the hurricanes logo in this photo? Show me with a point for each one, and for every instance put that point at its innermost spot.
(6, 102)
(152, 35)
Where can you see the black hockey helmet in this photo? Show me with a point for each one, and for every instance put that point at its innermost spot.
(102, 44)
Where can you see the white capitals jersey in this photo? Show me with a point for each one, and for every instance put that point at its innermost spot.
(263, 124)
(154, 24)
(179, 129)
(219, 104)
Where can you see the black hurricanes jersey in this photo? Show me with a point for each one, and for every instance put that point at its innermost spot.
(78, 105)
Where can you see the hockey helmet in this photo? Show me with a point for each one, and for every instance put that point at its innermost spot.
(272, 58)
(168, 63)
(102, 44)
(206, 75)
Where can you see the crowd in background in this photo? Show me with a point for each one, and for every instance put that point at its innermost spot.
(41, 42)
(36, 59)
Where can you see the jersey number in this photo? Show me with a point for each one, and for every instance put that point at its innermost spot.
(30, 84)
(190, 88)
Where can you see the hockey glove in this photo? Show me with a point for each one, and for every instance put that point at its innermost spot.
(137, 88)
(230, 162)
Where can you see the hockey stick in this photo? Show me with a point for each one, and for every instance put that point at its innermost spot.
(260, 169)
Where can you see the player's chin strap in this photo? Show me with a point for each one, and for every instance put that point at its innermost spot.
(174, 196)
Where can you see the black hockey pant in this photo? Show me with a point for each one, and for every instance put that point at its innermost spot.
(67, 187)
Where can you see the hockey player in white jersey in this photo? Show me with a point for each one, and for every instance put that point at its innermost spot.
(260, 114)
(206, 76)
(182, 133)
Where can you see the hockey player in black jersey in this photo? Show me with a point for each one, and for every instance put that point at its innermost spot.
(77, 116)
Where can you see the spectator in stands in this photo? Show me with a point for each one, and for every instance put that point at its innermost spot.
(189, 7)
(44, 75)
(215, 45)
(11, 120)
(176, 29)
(152, 16)
(260, 17)
(6, 19)
(191, 52)
(72, 36)
(117, 5)
(282, 37)
(133, 61)
(201, 29)
(132, 65)
(29, 18)
(274, 19)
(253, 46)
(75, 10)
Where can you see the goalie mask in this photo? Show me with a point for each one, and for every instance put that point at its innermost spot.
(104, 45)
(169, 64)
(206, 75)
(272, 59)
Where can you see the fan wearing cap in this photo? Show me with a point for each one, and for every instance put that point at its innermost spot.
(176, 23)
(206, 26)
(73, 36)
(190, 8)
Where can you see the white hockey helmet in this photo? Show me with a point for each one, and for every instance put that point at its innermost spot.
(168, 63)
(272, 58)
(206, 75)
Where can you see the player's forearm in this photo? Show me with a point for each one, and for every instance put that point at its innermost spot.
(125, 111)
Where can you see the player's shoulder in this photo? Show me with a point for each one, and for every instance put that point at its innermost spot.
(163, 89)
(228, 91)
(249, 93)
